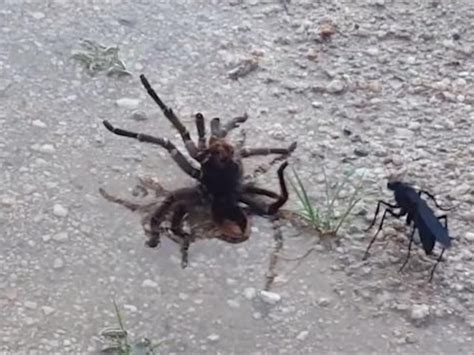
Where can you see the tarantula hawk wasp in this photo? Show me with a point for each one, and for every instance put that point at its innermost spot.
(418, 215)
(221, 182)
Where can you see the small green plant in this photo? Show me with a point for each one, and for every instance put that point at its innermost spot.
(118, 343)
(327, 220)
(97, 58)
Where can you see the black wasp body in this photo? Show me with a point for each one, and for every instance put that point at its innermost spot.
(419, 215)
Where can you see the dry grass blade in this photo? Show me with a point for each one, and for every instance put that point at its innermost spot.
(325, 219)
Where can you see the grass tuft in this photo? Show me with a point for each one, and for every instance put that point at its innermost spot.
(97, 58)
(335, 211)
(118, 343)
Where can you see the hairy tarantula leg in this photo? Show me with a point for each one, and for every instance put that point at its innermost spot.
(180, 196)
(215, 129)
(247, 152)
(232, 124)
(132, 206)
(250, 189)
(201, 128)
(170, 115)
(177, 229)
(264, 209)
(274, 207)
(179, 158)
(148, 183)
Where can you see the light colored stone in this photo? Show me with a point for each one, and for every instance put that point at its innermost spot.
(469, 236)
(302, 335)
(47, 310)
(250, 293)
(31, 305)
(149, 284)
(39, 124)
(128, 103)
(335, 87)
(270, 297)
(213, 338)
(59, 210)
(61, 237)
(419, 311)
(58, 264)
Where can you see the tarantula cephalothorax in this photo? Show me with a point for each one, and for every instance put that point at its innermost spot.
(220, 178)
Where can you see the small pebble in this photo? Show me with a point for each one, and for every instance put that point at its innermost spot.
(335, 87)
(250, 293)
(138, 115)
(31, 305)
(39, 124)
(58, 264)
(469, 236)
(47, 310)
(270, 297)
(419, 311)
(302, 335)
(61, 237)
(324, 302)
(149, 284)
(128, 103)
(213, 338)
(59, 210)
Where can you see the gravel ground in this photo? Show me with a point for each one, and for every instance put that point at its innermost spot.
(390, 91)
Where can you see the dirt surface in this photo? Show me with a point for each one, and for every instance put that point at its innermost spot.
(390, 90)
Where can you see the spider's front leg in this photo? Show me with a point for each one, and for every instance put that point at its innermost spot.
(177, 156)
(201, 129)
(171, 116)
(260, 207)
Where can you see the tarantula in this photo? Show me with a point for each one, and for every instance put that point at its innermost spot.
(199, 217)
(221, 182)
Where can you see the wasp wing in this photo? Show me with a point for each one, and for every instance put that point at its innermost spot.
(430, 228)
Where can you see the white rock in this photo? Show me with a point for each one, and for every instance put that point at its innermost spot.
(130, 308)
(30, 321)
(317, 104)
(373, 51)
(58, 263)
(420, 311)
(46, 149)
(138, 115)
(183, 296)
(38, 15)
(469, 236)
(128, 103)
(302, 335)
(213, 337)
(59, 210)
(233, 303)
(270, 297)
(324, 302)
(149, 284)
(39, 123)
(7, 201)
(46, 238)
(31, 305)
(61, 237)
(250, 293)
(335, 87)
(47, 310)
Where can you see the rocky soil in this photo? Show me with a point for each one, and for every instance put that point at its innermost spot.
(375, 86)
